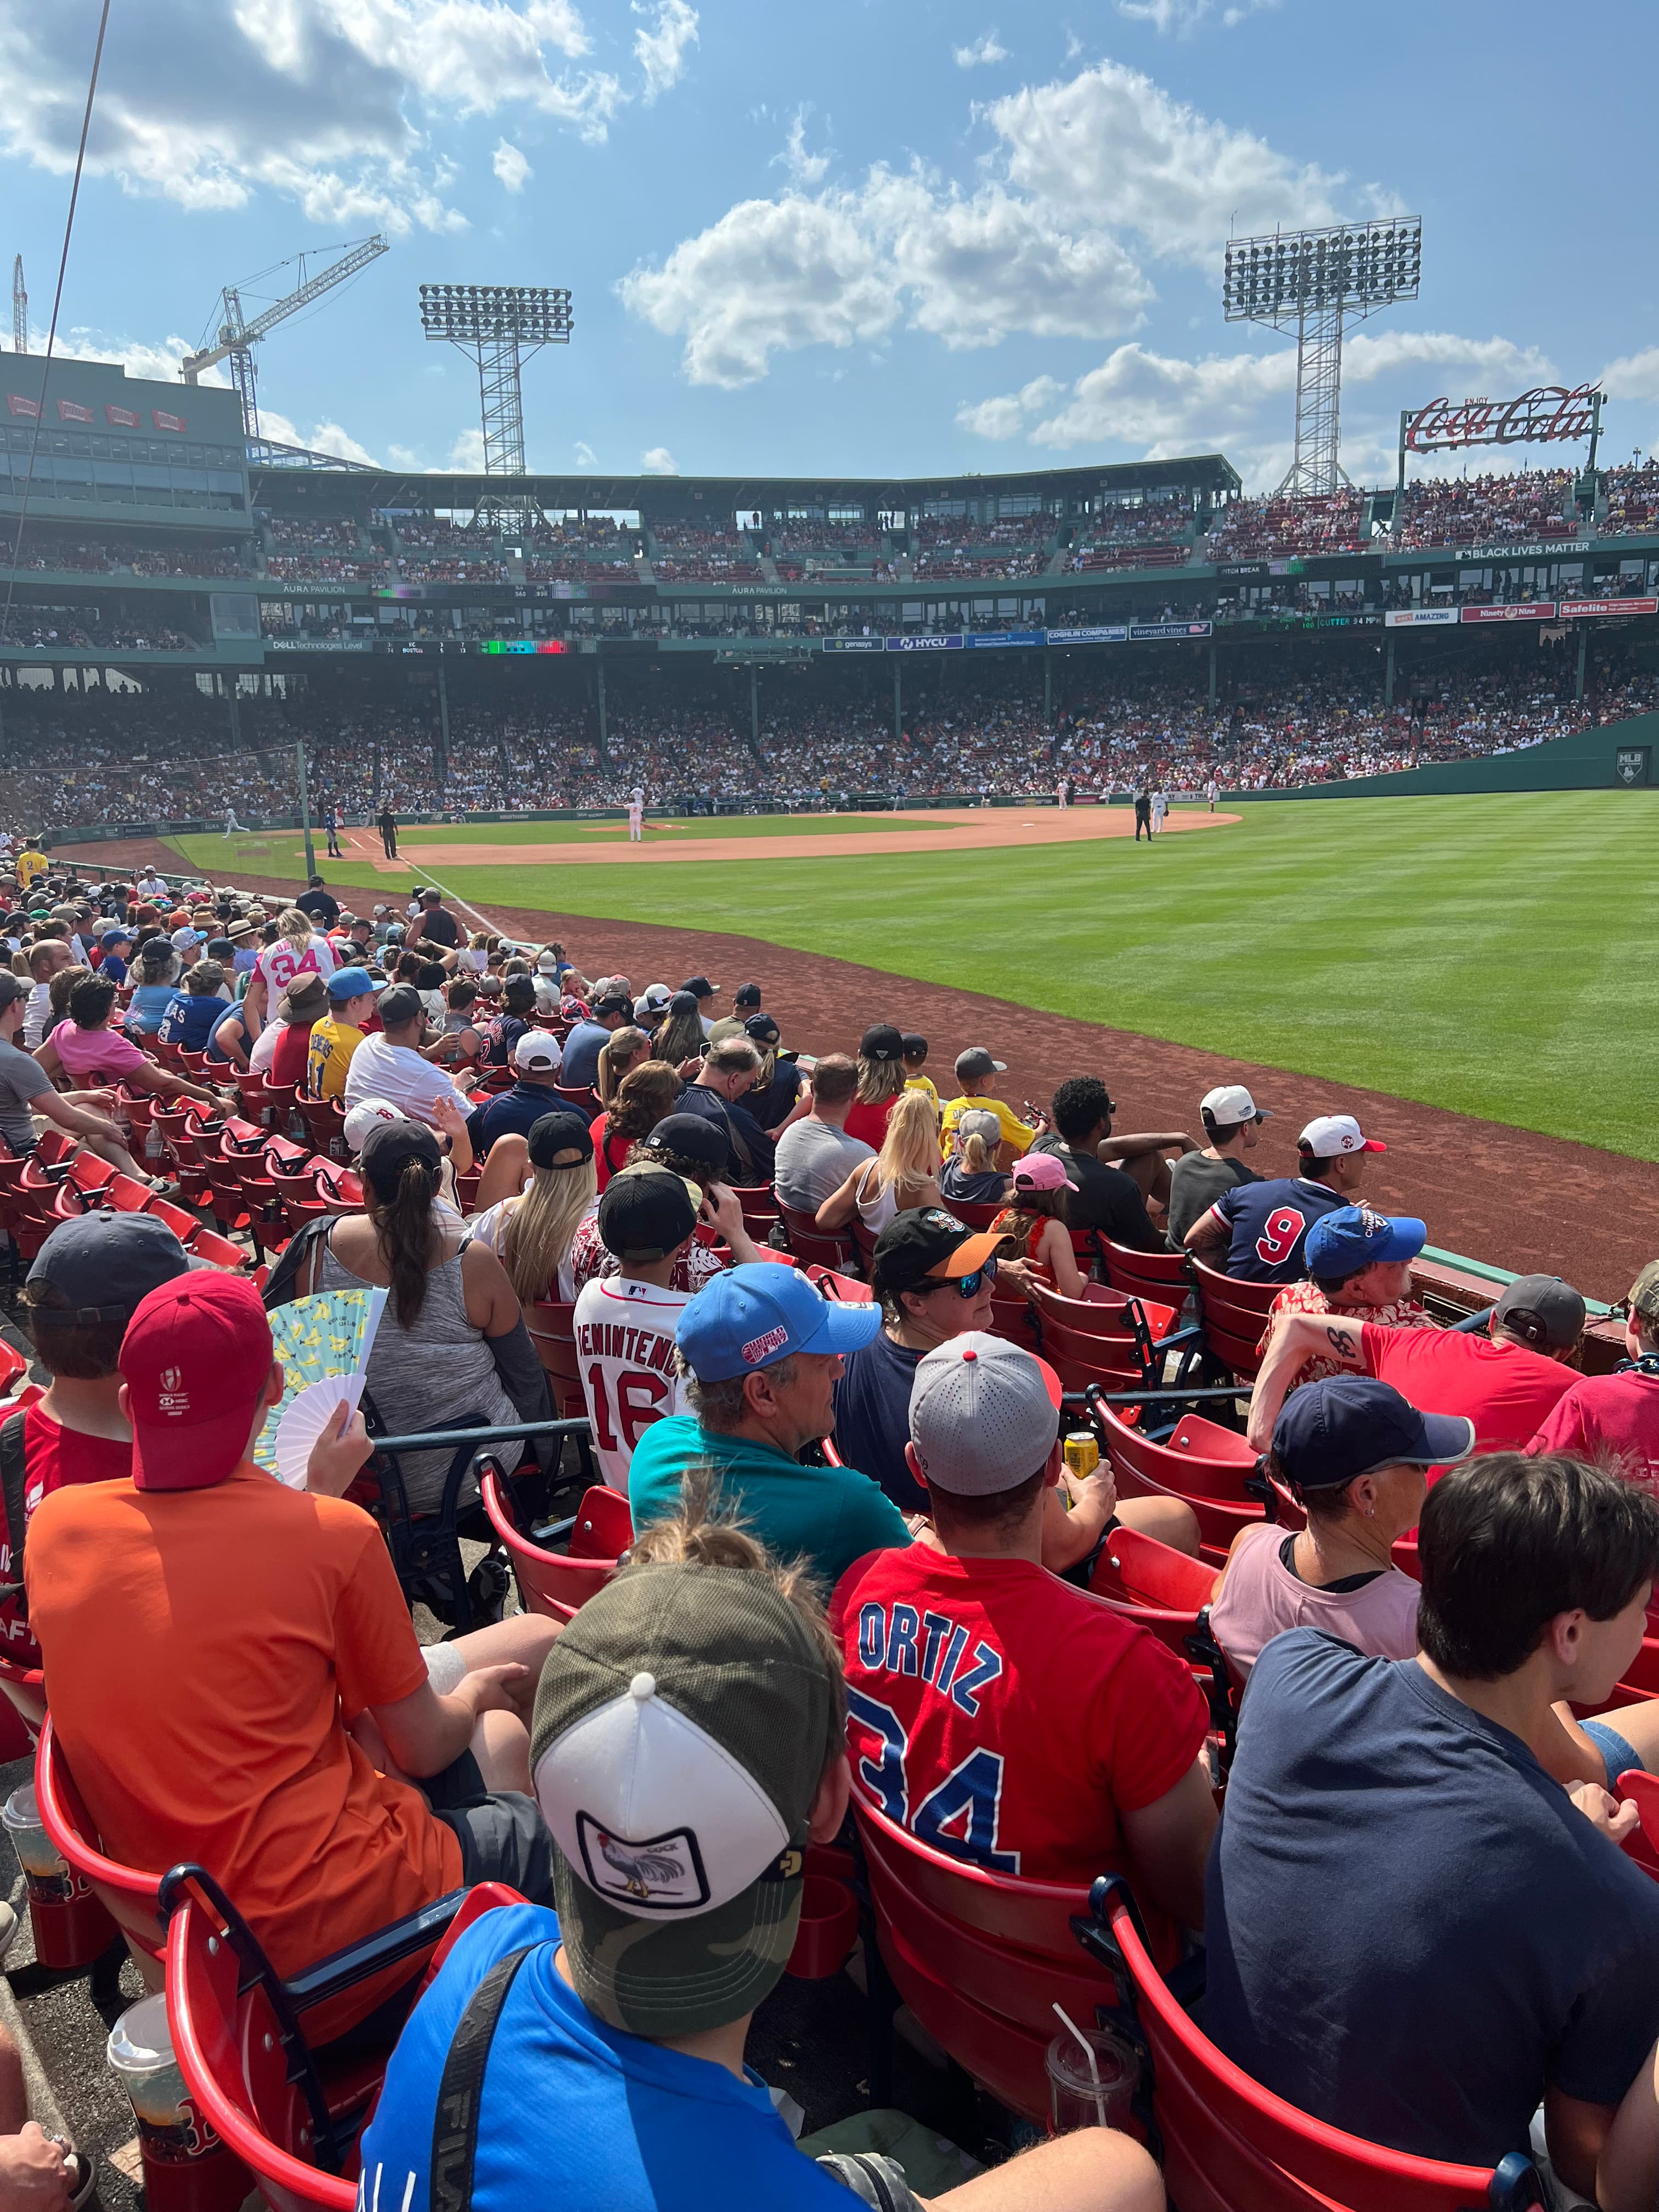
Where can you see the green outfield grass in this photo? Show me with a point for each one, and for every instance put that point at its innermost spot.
(1485, 954)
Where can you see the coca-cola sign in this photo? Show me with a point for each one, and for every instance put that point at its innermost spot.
(1549, 412)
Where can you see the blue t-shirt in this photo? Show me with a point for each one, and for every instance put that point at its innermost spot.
(582, 1048)
(1270, 1223)
(149, 1002)
(872, 1418)
(512, 1113)
(189, 1021)
(112, 968)
(574, 2116)
(1412, 1929)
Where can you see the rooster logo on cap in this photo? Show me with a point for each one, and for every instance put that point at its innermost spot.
(640, 1865)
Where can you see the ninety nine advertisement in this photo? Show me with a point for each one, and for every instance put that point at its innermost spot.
(1533, 610)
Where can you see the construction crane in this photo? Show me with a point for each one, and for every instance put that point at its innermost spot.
(20, 309)
(238, 335)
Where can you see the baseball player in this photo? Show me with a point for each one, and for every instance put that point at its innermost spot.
(1160, 808)
(1213, 792)
(636, 816)
(1063, 793)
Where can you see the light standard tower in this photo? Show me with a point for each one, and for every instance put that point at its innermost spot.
(499, 326)
(1317, 280)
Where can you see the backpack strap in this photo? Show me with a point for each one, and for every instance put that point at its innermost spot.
(460, 2091)
(13, 1477)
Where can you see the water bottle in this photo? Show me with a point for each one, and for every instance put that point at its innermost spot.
(156, 1151)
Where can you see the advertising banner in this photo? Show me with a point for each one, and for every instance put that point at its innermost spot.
(522, 645)
(122, 418)
(1419, 617)
(853, 644)
(923, 644)
(1101, 634)
(1168, 629)
(70, 410)
(17, 404)
(1631, 763)
(1003, 637)
(1538, 549)
(1568, 608)
(165, 422)
(1533, 610)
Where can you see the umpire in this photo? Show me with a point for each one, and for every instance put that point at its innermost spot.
(1143, 813)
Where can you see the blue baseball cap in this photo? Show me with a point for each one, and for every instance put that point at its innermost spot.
(1327, 1433)
(1355, 1236)
(752, 1317)
(350, 982)
(116, 933)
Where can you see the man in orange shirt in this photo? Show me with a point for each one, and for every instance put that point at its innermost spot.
(208, 1635)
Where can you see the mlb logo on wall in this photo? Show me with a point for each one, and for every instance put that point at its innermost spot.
(1630, 764)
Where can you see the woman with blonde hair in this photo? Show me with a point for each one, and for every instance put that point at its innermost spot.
(298, 948)
(881, 1080)
(679, 1035)
(529, 1231)
(971, 1175)
(620, 1052)
(1034, 1227)
(904, 1174)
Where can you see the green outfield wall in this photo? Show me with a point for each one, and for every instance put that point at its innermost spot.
(1612, 753)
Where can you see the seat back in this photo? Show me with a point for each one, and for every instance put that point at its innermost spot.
(557, 1585)
(1165, 1276)
(812, 1245)
(551, 1332)
(1214, 1489)
(1230, 2146)
(24, 1687)
(980, 1959)
(1233, 1299)
(130, 1896)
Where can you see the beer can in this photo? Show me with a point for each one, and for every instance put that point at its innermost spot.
(1082, 1453)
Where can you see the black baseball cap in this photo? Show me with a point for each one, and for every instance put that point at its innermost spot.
(763, 1029)
(927, 1240)
(915, 1045)
(103, 1264)
(1543, 1312)
(701, 988)
(646, 1213)
(1328, 1434)
(388, 1146)
(12, 988)
(401, 1003)
(519, 993)
(881, 1041)
(689, 1136)
(746, 994)
(557, 1135)
(614, 1002)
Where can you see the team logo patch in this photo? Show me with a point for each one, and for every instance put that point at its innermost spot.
(1372, 1224)
(171, 1397)
(655, 1873)
(758, 1346)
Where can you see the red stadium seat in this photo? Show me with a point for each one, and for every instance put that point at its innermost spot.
(1214, 1488)
(552, 1333)
(812, 1245)
(1230, 2146)
(1233, 1316)
(130, 1897)
(555, 1584)
(1164, 1276)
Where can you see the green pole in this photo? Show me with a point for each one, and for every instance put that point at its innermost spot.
(754, 707)
(1583, 641)
(1387, 675)
(1048, 686)
(305, 812)
(898, 725)
(1212, 675)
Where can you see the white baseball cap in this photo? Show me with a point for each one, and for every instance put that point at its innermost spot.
(984, 1414)
(1331, 1133)
(537, 1050)
(367, 1114)
(1231, 1103)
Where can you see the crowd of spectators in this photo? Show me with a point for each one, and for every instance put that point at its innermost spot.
(1275, 529)
(110, 554)
(1486, 510)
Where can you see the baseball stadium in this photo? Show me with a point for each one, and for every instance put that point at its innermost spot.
(725, 1195)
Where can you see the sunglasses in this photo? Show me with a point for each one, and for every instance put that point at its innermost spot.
(966, 1287)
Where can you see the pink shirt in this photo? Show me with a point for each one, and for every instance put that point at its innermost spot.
(1613, 1417)
(1262, 1598)
(84, 1052)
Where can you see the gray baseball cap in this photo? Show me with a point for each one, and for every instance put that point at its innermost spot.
(984, 1414)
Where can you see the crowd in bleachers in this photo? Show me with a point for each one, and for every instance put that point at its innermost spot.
(1412, 1511)
(109, 554)
(1486, 510)
(1272, 529)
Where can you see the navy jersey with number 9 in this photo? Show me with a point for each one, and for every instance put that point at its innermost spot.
(1269, 1224)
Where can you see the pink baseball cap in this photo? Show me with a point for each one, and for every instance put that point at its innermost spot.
(195, 1358)
(1041, 1172)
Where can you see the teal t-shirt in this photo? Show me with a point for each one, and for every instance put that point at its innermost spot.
(829, 1515)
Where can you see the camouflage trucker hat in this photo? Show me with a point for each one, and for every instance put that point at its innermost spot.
(684, 1720)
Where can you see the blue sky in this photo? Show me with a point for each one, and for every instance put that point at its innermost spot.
(908, 237)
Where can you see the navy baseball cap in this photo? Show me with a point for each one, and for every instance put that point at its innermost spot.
(1327, 1433)
(1350, 1237)
(751, 1317)
(116, 933)
(350, 982)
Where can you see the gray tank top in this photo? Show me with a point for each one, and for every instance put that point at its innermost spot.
(437, 1374)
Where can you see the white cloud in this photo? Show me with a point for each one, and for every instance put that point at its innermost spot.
(844, 265)
(1633, 376)
(661, 52)
(804, 168)
(657, 461)
(985, 51)
(511, 166)
(1242, 404)
(1183, 17)
(326, 438)
(1113, 148)
(466, 455)
(585, 455)
(326, 105)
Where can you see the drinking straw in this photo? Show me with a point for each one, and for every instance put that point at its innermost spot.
(1089, 2053)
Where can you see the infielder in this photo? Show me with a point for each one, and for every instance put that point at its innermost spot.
(636, 817)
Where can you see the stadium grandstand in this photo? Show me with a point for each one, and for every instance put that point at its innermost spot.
(175, 612)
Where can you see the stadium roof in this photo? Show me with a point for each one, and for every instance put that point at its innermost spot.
(689, 496)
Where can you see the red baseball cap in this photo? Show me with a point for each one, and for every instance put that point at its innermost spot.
(195, 1358)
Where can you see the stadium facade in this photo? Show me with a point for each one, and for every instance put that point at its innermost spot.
(151, 545)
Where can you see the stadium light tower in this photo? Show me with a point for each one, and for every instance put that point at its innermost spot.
(499, 326)
(1318, 280)
(20, 309)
